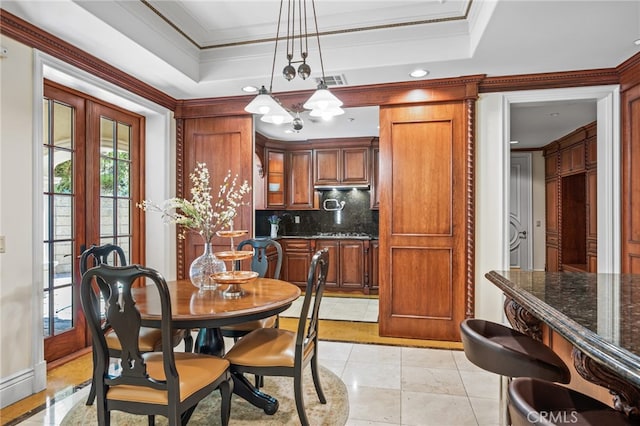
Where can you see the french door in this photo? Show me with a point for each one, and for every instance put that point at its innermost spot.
(92, 178)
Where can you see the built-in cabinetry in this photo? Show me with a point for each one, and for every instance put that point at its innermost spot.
(346, 263)
(294, 172)
(275, 178)
(341, 166)
(373, 265)
(571, 204)
(289, 177)
(350, 263)
(300, 192)
(296, 259)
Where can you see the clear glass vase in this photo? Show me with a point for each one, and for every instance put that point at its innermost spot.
(203, 267)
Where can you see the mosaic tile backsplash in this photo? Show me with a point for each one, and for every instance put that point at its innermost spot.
(356, 216)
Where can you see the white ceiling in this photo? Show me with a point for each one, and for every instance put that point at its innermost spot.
(199, 49)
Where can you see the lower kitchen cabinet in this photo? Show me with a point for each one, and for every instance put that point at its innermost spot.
(346, 263)
(296, 260)
(373, 267)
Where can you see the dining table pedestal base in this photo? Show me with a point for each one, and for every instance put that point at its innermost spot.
(210, 341)
(245, 389)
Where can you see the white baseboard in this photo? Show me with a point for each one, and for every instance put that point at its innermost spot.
(23, 384)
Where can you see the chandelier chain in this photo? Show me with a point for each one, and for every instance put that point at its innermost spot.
(275, 50)
(315, 19)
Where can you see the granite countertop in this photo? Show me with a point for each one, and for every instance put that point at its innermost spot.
(598, 313)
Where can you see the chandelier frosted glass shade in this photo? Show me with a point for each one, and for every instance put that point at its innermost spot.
(323, 103)
(263, 103)
(326, 113)
(322, 99)
(277, 115)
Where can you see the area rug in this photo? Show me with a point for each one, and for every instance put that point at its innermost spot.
(334, 413)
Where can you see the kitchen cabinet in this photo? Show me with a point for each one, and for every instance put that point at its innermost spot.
(571, 201)
(373, 267)
(300, 192)
(572, 159)
(275, 178)
(296, 259)
(341, 166)
(346, 263)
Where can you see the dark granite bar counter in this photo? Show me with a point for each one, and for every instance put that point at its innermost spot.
(599, 314)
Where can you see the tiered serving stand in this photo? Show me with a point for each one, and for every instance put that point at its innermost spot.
(233, 278)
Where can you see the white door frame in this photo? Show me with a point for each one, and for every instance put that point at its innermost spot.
(608, 134)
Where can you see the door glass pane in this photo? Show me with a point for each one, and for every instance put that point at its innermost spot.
(45, 122)
(62, 258)
(62, 125)
(62, 217)
(123, 217)
(107, 176)
(107, 145)
(124, 141)
(62, 171)
(125, 243)
(63, 309)
(45, 269)
(45, 315)
(106, 217)
(123, 179)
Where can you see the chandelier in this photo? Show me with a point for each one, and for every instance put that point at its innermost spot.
(322, 103)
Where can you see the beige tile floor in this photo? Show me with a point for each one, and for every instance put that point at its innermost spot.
(387, 385)
(340, 308)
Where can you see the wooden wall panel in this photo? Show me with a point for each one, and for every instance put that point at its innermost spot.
(631, 179)
(427, 289)
(424, 174)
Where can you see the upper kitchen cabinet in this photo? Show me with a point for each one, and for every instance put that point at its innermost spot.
(342, 166)
(300, 192)
(275, 178)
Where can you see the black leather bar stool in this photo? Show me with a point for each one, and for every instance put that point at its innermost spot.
(505, 351)
(537, 402)
(533, 398)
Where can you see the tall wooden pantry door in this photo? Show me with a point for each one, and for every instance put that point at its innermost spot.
(423, 220)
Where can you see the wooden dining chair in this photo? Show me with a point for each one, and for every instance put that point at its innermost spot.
(150, 338)
(152, 383)
(259, 264)
(278, 352)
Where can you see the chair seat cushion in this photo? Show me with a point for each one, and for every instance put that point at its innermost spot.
(195, 371)
(150, 339)
(264, 347)
(269, 322)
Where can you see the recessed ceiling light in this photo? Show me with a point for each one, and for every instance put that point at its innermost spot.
(250, 89)
(637, 42)
(418, 73)
(514, 142)
(555, 114)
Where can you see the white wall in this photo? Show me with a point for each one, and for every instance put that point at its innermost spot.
(17, 364)
(491, 222)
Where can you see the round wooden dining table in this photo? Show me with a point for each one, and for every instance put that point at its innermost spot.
(208, 310)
